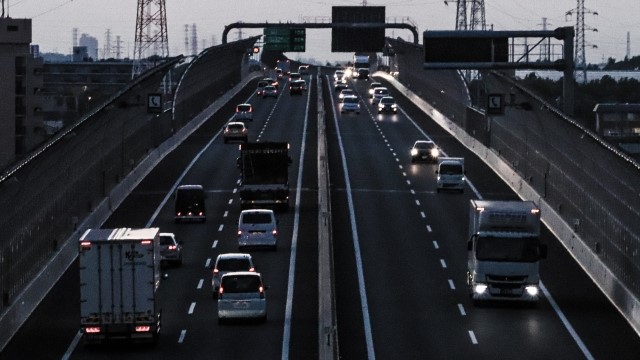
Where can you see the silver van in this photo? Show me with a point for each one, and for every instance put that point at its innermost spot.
(241, 295)
(257, 228)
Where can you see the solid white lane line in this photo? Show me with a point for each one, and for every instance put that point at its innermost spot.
(461, 308)
(474, 341)
(191, 308)
(566, 323)
(364, 305)
(286, 336)
(72, 346)
(200, 283)
(183, 333)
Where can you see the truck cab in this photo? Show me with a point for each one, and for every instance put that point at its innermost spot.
(190, 203)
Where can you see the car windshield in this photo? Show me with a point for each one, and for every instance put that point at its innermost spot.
(507, 249)
(233, 265)
(351, 100)
(256, 218)
(240, 283)
(387, 101)
(235, 126)
(423, 145)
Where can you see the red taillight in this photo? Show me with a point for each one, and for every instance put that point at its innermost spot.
(178, 213)
(261, 292)
(274, 232)
(239, 233)
(92, 330)
(252, 269)
(201, 213)
(85, 244)
(220, 291)
(215, 271)
(146, 242)
(143, 328)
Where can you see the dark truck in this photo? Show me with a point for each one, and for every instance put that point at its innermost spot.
(264, 171)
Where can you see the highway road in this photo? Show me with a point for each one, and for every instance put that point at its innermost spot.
(400, 254)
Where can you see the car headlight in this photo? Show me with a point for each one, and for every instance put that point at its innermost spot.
(435, 152)
(414, 152)
(480, 288)
(393, 106)
(531, 290)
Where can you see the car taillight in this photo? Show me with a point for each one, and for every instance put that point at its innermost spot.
(261, 292)
(143, 328)
(178, 213)
(220, 291)
(239, 233)
(215, 271)
(201, 213)
(252, 269)
(172, 247)
(92, 330)
(274, 232)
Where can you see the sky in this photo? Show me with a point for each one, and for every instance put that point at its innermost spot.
(607, 22)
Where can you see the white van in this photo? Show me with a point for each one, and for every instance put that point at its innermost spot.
(257, 228)
(450, 174)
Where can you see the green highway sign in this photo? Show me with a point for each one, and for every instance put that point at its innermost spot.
(284, 39)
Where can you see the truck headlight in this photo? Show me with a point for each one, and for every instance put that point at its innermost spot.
(532, 290)
(435, 153)
(480, 288)
(414, 152)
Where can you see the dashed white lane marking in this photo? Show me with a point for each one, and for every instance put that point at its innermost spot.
(435, 245)
(200, 283)
(452, 286)
(235, 190)
(443, 263)
(400, 166)
(412, 192)
(183, 333)
(423, 214)
(207, 263)
(230, 201)
(404, 174)
(221, 227)
(418, 202)
(192, 307)
(215, 244)
(226, 213)
(474, 341)
(429, 228)
(461, 308)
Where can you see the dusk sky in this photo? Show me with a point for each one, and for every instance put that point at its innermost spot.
(53, 21)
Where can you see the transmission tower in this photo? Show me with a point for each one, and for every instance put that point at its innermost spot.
(580, 54)
(151, 34)
(194, 40)
(477, 20)
(106, 51)
(461, 14)
(186, 39)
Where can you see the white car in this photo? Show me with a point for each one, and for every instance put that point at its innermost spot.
(243, 112)
(235, 130)
(387, 104)
(229, 262)
(241, 295)
(350, 103)
(257, 228)
(379, 93)
(345, 92)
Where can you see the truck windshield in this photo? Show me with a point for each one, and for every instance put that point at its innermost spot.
(450, 169)
(507, 249)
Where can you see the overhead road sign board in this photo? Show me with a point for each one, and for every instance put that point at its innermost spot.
(357, 38)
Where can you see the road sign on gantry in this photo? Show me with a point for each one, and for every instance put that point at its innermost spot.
(297, 39)
(357, 37)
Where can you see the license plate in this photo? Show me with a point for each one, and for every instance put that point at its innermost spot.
(505, 291)
(241, 304)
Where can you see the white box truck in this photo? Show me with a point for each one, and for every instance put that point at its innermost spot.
(119, 279)
(450, 174)
(504, 251)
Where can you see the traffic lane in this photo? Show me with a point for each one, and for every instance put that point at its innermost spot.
(584, 318)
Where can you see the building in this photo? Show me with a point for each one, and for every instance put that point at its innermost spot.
(70, 89)
(91, 44)
(21, 124)
(619, 124)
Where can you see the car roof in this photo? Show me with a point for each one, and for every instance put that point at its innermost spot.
(190, 187)
(424, 142)
(226, 256)
(380, 88)
(387, 98)
(375, 84)
(242, 273)
(254, 211)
